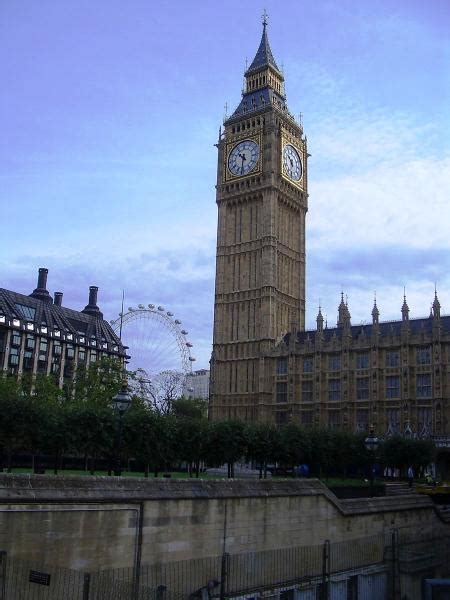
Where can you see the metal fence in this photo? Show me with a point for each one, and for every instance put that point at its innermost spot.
(369, 568)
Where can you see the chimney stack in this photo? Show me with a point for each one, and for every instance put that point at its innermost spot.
(57, 301)
(41, 292)
(92, 308)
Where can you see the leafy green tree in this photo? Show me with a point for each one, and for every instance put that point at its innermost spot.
(44, 428)
(226, 443)
(99, 382)
(144, 434)
(400, 453)
(193, 408)
(294, 445)
(92, 429)
(12, 418)
(192, 441)
(264, 445)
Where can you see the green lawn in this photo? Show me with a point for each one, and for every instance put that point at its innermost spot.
(331, 482)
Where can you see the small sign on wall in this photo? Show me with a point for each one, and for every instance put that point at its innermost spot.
(39, 578)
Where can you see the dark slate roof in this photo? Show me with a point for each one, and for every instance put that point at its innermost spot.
(259, 100)
(59, 317)
(264, 56)
(386, 328)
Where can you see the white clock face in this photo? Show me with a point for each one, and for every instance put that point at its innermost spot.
(292, 164)
(243, 158)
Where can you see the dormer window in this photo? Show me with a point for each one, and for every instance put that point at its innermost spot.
(57, 333)
(43, 329)
(16, 322)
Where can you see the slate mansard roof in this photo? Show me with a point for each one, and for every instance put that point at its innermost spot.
(40, 315)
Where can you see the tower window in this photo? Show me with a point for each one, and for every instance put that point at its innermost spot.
(334, 390)
(362, 388)
(392, 358)
(423, 356)
(423, 385)
(393, 386)
(307, 365)
(362, 361)
(307, 391)
(281, 391)
(334, 362)
(282, 366)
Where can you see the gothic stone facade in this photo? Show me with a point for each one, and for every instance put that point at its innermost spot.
(40, 336)
(260, 272)
(393, 376)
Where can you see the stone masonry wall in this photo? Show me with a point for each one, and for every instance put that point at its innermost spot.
(100, 523)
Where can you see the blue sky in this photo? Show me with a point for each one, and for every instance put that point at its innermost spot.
(108, 117)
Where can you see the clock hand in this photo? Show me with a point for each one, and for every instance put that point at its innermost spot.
(242, 156)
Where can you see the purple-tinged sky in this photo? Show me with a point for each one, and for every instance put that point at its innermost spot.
(109, 112)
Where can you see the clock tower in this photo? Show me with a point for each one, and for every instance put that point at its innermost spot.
(262, 199)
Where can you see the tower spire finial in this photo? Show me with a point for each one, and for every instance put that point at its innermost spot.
(265, 19)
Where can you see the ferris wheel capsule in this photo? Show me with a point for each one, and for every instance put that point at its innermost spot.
(141, 306)
(169, 314)
(177, 322)
(188, 344)
(151, 306)
(192, 359)
(184, 332)
(131, 309)
(161, 308)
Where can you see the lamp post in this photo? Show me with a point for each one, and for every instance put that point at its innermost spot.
(121, 402)
(371, 443)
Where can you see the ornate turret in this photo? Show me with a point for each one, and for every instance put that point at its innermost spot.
(319, 320)
(436, 306)
(405, 309)
(341, 312)
(344, 317)
(375, 312)
(436, 315)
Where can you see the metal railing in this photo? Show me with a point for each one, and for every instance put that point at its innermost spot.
(368, 566)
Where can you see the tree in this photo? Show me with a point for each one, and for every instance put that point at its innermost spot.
(99, 382)
(164, 389)
(226, 443)
(400, 453)
(12, 417)
(294, 445)
(193, 408)
(192, 441)
(146, 436)
(44, 427)
(93, 430)
(263, 445)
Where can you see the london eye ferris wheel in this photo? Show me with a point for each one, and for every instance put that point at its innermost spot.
(156, 340)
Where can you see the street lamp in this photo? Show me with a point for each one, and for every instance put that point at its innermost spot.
(121, 403)
(371, 443)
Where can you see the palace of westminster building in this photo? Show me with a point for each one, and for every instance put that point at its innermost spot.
(393, 376)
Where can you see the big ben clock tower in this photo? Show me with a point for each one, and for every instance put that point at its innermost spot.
(260, 266)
